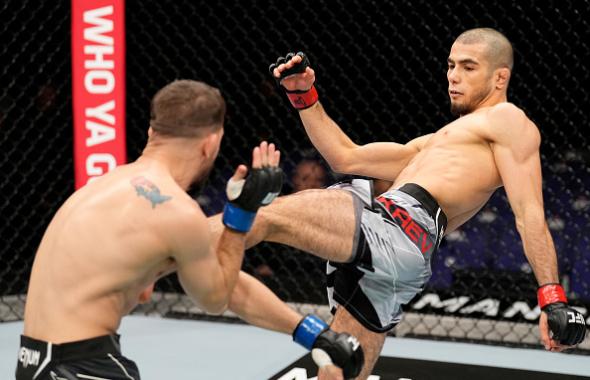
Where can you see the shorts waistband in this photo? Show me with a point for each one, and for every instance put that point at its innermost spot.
(428, 202)
(87, 348)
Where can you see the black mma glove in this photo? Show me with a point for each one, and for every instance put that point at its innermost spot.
(299, 99)
(259, 188)
(329, 347)
(567, 324)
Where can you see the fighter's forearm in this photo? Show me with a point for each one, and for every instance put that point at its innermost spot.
(333, 144)
(256, 304)
(230, 253)
(539, 248)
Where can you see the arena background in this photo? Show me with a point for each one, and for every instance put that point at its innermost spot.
(381, 75)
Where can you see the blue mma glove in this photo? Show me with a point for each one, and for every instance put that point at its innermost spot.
(259, 188)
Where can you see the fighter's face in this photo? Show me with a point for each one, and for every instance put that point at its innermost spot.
(469, 76)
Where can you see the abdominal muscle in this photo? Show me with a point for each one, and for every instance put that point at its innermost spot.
(461, 178)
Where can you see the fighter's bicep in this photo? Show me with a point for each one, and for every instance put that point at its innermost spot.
(380, 159)
(201, 275)
(516, 154)
(198, 268)
(521, 176)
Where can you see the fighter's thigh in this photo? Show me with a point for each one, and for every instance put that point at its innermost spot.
(323, 222)
(371, 342)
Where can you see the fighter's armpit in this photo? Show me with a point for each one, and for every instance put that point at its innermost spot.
(147, 189)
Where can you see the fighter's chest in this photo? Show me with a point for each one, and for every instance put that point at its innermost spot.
(459, 132)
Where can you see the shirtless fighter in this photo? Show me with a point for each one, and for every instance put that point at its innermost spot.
(113, 238)
(379, 249)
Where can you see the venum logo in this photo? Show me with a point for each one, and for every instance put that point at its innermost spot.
(29, 357)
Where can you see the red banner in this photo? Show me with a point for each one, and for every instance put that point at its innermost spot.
(98, 77)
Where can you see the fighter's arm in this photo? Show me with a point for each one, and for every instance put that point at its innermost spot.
(207, 273)
(383, 160)
(379, 160)
(515, 144)
(255, 303)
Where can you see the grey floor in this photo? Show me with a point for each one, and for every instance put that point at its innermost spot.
(181, 349)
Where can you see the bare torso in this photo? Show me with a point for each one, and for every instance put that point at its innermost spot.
(102, 249)
(456, 165)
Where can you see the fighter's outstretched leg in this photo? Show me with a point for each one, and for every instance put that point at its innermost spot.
(322, 222)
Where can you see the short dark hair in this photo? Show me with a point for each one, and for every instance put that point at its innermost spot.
(500, 52)
(187, 108)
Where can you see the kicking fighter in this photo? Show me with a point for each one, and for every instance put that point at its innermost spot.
(379, 249)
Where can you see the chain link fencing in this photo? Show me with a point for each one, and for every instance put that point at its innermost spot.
(380, 69)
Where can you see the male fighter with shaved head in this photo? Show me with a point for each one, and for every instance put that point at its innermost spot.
(379, 249)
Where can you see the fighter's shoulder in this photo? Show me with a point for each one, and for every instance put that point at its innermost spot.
(172, 209)
(506, 113)
(185, 210)
(507, 121)
(185, 225)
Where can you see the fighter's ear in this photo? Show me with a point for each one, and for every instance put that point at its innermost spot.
(212, 143)
(502, 76)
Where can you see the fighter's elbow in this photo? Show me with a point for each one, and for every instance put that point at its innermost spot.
(215, 305)
(338, 166)
(215, 301)
(342, 164)
(218, 310)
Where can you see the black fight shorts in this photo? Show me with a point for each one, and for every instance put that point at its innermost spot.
(96, 358)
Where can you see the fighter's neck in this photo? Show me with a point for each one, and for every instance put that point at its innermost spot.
(486, 105)
(182, 167)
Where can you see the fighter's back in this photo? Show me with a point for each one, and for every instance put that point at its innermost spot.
(106, 244)
(457, 163)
